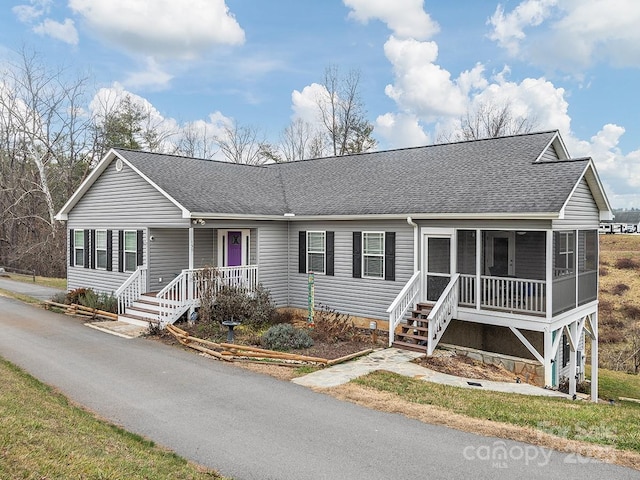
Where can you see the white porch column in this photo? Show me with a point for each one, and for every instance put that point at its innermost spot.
(548, 355)
(573, 329)
(594, 357)
(191, 248)
(191, 255)
(549, 275)
(479, 260)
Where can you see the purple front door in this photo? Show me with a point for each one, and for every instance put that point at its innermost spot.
(234, 249)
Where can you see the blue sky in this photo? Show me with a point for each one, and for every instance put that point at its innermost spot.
(572, 65)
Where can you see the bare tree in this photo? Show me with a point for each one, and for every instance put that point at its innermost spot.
(490, 120)
(243, 144)
(196, 141)
(343, 114)
(43, 156)
(299, 140)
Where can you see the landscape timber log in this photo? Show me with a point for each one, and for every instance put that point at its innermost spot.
(335, 361)
(233, 346)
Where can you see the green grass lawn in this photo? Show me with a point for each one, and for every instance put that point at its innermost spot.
(613, 384)
(43, 436)
(60, 283)
(612, 425)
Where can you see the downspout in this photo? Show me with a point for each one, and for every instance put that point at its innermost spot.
(415, 243)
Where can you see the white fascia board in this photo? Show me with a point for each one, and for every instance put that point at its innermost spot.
(85, 185)
(402, 216)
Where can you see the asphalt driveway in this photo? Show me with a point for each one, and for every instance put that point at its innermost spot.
(251, 426)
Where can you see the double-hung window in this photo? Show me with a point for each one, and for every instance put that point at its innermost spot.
(373, 254)
(316, 252)
(78, 248)
(130, 250)
(101, 249)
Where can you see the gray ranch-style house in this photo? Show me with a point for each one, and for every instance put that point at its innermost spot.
(488, 244)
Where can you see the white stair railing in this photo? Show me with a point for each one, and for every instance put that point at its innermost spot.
(445, 309)
(184, 291)
(405, 299)
(131, 289)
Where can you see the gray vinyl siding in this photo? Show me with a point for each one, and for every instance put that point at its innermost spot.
(563, 372)
(169, 255)
(101, 281)
(121, 200)
(364, 297)
(581, 210)
(204, 252)
(549, 155)
(272, 260)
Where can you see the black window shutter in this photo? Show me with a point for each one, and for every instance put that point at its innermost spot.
(120, 251)
(302, 252)
(72, 250)
(357, 254)
(109, 250)
(139, 248)
(390, 256)
(92, 253)
(86, 249)
(329, 251)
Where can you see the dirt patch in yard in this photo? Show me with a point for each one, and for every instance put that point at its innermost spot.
(445, 361)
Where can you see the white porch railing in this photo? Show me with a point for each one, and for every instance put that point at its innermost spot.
(405, 299)
(513, 294)
(443, 311)
(184, 291)
(131, 289)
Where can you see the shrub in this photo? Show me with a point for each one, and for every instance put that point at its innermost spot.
(627, 263)
(60, 297)
(74, 295)
(284, 336)
(604, 271)
(631, 311)
(619, 289)
(332, 326)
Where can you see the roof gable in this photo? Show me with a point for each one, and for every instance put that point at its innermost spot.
(520, 175)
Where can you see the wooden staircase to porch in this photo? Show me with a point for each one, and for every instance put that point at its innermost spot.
(414, 335)
(143, 312)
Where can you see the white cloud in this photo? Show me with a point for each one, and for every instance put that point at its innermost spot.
(153, 76)
(162, 28)
(65, 32)
(401, 130)
(508, 30)
(422, 87)
(305, 103)
(406, 18)
(33, 11)
(571, 35)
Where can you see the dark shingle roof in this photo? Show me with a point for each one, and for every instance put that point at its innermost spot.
(497, 175)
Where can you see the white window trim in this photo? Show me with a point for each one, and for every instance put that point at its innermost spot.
(76, 247)
(323, 252)
(125, 251)
(362, 262)
(565, 251)
(96, 250)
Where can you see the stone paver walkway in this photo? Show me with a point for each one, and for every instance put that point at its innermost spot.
(400, 362)
(120, 329)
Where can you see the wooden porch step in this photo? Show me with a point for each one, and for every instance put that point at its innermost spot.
(410, 346)
(412, 336)
(408, 328)
(135, 308)
(137, 320)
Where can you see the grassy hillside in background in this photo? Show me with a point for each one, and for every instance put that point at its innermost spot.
(619, 309)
